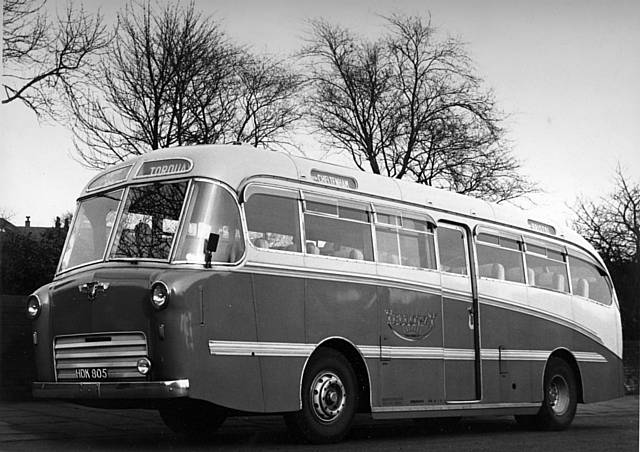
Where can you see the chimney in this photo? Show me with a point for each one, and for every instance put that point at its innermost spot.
(27, 222)
(66, 223)
(57, 223)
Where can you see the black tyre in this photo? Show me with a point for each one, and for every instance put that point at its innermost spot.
(560, 398)
(329, 399)
(193, 419)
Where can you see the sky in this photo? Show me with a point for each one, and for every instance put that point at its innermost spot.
(567, 73)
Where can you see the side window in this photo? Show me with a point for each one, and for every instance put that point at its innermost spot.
(500, 257)
(404, 239)
(451, 248)
(589, 281)
(546, 267)
(272, 222)
(388, 247)
(212, 210)
(334, 228)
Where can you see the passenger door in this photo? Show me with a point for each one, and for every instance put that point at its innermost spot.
(459, 308)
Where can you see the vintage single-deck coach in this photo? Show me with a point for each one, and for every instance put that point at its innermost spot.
(214, 280)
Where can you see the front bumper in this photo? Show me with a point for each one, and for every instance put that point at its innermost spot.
(111, 390)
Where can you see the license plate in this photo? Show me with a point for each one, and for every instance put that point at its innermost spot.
(92, 373)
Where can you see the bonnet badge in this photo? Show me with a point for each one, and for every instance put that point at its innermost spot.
(92, 289)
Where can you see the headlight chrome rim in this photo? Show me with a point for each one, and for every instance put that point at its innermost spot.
(34, 307)
(159, 295)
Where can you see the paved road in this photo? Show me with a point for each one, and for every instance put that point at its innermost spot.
(56, 426)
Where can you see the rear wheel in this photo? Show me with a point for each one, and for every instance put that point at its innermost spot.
(329, 399)
(560, 398)
(195, 419)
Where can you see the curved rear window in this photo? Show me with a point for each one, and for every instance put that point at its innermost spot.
(589, 281)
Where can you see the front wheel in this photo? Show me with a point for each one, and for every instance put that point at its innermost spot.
(560, 398)
(329, 399)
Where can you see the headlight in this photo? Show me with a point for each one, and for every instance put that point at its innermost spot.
(159, 295)
(33, 307)
(144, 366)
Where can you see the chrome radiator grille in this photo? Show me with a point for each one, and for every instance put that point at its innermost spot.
(116, 352)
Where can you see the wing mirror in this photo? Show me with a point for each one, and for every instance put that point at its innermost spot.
(211, 245)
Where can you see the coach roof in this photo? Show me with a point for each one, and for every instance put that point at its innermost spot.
(235, 164)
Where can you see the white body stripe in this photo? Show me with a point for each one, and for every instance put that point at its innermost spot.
(292, 349)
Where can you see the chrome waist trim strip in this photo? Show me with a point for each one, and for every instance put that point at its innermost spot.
(589, 357)
(244, 348)
(293, 349)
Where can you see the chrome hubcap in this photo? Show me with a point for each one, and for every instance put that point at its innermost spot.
(558, 395)
(328, 396)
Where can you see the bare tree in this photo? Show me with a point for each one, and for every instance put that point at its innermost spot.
(7, 214)
(351, 100)
(612, 224)
(409, 105)
(140, 97)
(266, 101)
(173, 77)
(42, 57)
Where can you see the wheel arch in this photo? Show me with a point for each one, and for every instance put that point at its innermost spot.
(351, 352)
(570, 359)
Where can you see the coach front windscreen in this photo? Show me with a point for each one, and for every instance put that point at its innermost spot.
(148, 221)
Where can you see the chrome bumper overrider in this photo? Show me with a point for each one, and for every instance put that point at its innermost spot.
(112, 390)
